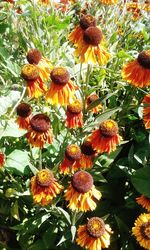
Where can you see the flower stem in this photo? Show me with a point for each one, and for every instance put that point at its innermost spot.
(21, 97)
(40, 159)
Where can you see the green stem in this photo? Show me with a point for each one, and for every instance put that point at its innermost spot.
(14, 108)
(85, 88)
(74, 218)
(40, 159)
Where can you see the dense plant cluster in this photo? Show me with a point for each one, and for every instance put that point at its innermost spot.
(74, 128)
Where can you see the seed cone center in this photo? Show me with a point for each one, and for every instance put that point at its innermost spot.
(86, 21)
(34, 56)
(40, 123)
(144, 59)
(93, 36)
(75, 107)
(73, 152)
(60, 76)
(24, 109)
(92, 98)
(44, 177)
(108, 128)
(29, 72)
(86, 148)
(96, 227)
(82, 181)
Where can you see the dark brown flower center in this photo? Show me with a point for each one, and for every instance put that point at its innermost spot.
(34, 56)
(60, 76)
(44, 177)
(144, 59)
(145, 230)
(73, 152)
(87, 21)
(24, 109)
(75, 107)
(96, 227)
(82, 181)
(86, 148)
(92, 98)
(108, 128)
(29, 72)
(93, 36)
(40, 123)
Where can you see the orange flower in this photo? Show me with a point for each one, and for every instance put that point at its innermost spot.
(135, 8)
(43, 65)
(39, 131)
(146, 6)
(90, 48)
(137, 72)
(87, 155)
(76, 35)
(24, 115)
(108, 1)
(141, 230)
(144, 202)
(92, 98)
(2, 159)
(46, 2)
(81, 193)
(44, 187)
(74, 115)
(94, 235)
(35, 85)
(72, 154)
(146, 111)
(106, 137)
(61, 88)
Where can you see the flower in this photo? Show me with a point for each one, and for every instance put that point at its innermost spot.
(24, 115)
(87, 155)
(44, 187)
(137, 72)
(106, 137)
(108, 1)
(141, 230)
(61, 88)
(135, 8)
(2, 159)
(90, 48)
(144, 202)
(81, 193)
(35, 85)
(94, 235)
(91, 99)
(74, 115)
(46, 2)
(146, 6)
(146, 111)
(43, 64)
(72, 154)
(76, 35)
(39, 131)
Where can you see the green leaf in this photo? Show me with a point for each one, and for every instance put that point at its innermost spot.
(73, 232)
(11, 129)
(64, 213)
(18, 160)
(141, 181)
(15, 211)
(8, 101)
